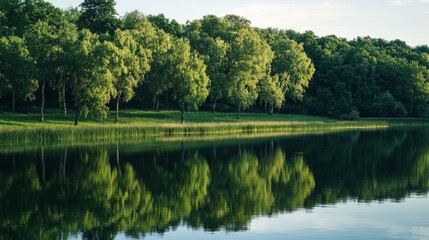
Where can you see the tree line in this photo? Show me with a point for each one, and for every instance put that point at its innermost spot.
(91, 59)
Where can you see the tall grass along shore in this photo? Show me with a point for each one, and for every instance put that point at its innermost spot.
(134, 125)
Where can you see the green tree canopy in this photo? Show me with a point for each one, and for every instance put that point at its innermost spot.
(99, 16)
(291, 69)
(93, 82)
(18, 16)
(63, 64)
(205, 36)
(41, 41)
(169, 26)
(16, 69)
(127, 62)
(271, 91)
(249, 62)
(187, 74)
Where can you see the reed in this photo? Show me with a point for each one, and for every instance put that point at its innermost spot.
(137, 125)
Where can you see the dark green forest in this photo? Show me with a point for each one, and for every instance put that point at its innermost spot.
(91, 60)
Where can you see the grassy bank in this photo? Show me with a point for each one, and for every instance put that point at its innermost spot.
(135, 124)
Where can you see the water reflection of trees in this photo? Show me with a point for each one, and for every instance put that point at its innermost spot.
(99, 193)
(99, 198)
(369, 166)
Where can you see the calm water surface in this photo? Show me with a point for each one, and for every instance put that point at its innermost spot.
(354, 185)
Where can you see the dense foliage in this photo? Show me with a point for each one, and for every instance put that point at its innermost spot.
(94, 59)
(366, 77)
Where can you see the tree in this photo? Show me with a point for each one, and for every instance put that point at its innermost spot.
(205, 37)
(134, 20)
(41, 40)
(155, 48)
(99, 16)
(291, 67)
(72, 15)
(329, 93)
(17, 69)
(385, 105)
(360, 73)
(92, 84)
(3, 28)
(249, 62)
(188, 75)
(19, 15)
(128, 63)
(237, 22)
(158, 81)
(271, 92)
(169, 26)
(290, 58)
(63, 61)
(236, 56)
(419, 76)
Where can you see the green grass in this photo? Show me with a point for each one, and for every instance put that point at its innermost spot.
(55, 117)
(138, 125)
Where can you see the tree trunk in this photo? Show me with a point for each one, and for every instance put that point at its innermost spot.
(42, 108)
(76, 118)
(238, 112)
(142, 100)
(118, 98)
(271, 109)
(13, 100)
(59, 88)
(214, 107)
(60, 97)
(156, 102)
(265, 107)
(182, 117)
(64, 100)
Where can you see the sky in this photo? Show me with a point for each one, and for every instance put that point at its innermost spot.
(407, 20)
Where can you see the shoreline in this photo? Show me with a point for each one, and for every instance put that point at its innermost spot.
(20, 130)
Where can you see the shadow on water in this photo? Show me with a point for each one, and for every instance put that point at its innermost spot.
(100, 191)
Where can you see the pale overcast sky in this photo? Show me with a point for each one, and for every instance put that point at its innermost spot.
(407, 20)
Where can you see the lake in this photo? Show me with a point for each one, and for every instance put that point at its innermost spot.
(347, 185)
